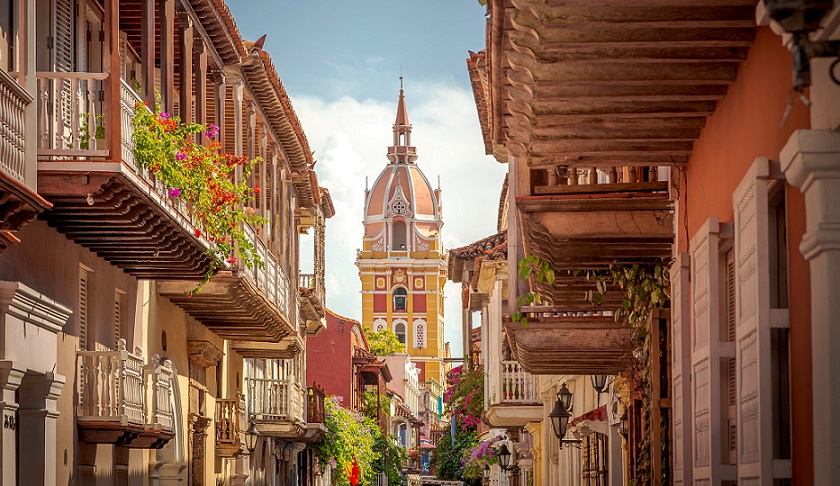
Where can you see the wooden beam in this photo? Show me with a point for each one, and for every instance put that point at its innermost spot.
(167, 54)
(185, 46)
(200, 72)
(147, 49)
(113, 85)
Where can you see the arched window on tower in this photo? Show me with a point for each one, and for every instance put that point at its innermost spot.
(398, 236)
(400, 296)
(399, 330)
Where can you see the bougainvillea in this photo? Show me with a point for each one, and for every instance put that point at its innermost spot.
(201, 176)
(472, 464)
(348, 434)
(465, 396)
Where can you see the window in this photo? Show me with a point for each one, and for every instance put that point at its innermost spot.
(399, 330)
(85, 281)
(398, 235)
(398, 207)
(400, 296)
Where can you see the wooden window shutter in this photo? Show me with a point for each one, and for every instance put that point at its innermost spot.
(706, 351)
(84, 301)
(752, 333)
(681, 368)
(731, 401)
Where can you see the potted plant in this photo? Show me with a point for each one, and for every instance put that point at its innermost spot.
(98, 131)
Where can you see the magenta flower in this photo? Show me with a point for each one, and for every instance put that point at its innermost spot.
(174, 192)
(212, 131)
(165, 115)
(180, 155)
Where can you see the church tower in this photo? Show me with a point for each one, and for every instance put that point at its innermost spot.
(402, 264)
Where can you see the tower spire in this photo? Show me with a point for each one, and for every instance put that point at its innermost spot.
(402, 151)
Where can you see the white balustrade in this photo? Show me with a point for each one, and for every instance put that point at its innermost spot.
(517, 385)
(270, 278)
(162, 381)
(111, 386)
(70, 109)
(275, 400)
(13, 101)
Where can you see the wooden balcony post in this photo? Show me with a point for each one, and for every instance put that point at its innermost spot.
(185, 45)
(167, 54)
(200, 73)
(220, 100)
(612, 175)
(147, 48)
(238, 99)
(112, 86)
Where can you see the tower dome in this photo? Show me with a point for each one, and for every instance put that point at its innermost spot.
(402, 210)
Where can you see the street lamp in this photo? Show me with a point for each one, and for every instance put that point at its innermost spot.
(560, 419)
(599, 383)
(251, 436)
(565, 396)
(503, 454)
(486, 473)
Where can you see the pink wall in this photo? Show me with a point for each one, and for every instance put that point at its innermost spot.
(329, 357)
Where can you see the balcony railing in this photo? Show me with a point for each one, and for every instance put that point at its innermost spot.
(271, 278)
(161, 378)
(315, 404)
(517, 385)
(230, 422)
(111, 387)
(13, 101)
(123, 401)
(68, 105)
(275, 400)
(312, 281)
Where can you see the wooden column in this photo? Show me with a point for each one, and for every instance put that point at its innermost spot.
(200, 73)
(112, 87)
(220, 92)
(238, 98)
(167, 55)
(147, 50)
(185, 44)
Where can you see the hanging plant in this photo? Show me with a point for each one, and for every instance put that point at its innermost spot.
(201, 176)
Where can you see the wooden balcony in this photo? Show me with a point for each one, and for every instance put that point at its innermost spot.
(315, 419)
(277, 407)
(123, 402)
(312, 300)
(244, 304)
(514, 396)
(19, 203)
(230, 422)
(559, 343)
(101, 199)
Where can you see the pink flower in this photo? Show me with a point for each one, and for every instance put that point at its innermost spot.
(165, 115)
(180, 156)
(231, 260)
(212, 131)
(174, 192)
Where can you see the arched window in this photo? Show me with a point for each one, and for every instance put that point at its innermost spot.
(398, 236)
(399, 299)
(399, 330)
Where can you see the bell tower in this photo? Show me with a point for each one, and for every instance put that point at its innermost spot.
(402, 264)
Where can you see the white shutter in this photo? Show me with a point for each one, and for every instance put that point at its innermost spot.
(706, 353)
(62, 61)
(752, 334)
(118, 302)
(681, 368)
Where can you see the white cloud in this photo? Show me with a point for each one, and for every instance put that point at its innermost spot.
(350, 138)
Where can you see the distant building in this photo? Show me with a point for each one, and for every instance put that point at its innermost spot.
(401, 263)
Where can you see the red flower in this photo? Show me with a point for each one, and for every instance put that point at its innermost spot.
(256, 188)
(197, 234)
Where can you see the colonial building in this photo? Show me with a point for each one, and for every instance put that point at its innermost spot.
(401, 263)
(111, 373)
(662, 133)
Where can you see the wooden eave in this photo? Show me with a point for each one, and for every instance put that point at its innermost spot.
(128, 223)
(630, 82)
(311, 307)
(571, 345)
(288, 430)
(18, 206)
(579, 231)
(231, 307)
(286, 348)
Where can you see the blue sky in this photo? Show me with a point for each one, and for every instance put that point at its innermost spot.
(340, 62)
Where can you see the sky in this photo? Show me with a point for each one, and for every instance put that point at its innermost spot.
(340, 62)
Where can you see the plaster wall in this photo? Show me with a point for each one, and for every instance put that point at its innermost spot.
(329, 357)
